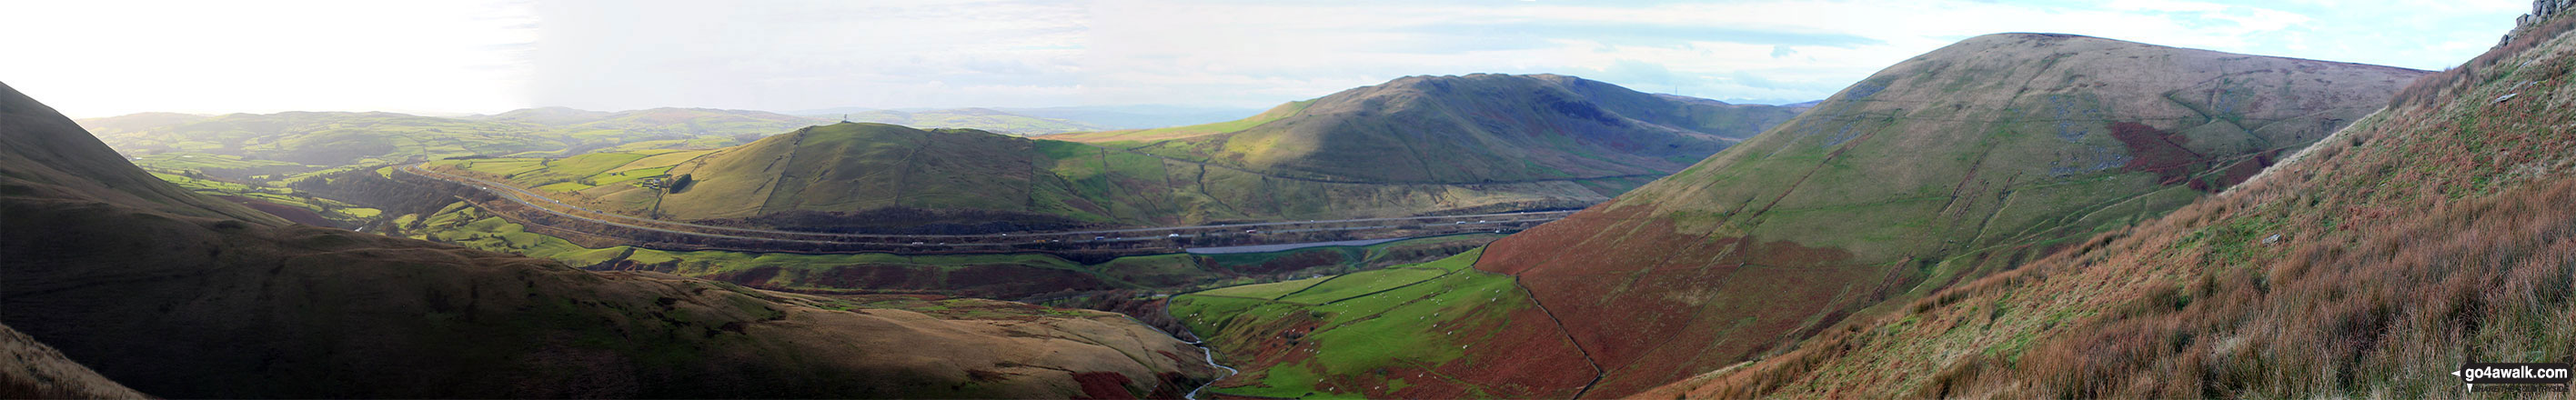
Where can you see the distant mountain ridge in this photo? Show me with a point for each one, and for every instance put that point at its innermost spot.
(874, 177)
(1091, 117)
(986, 119)
(1464, 129)
(890, 178)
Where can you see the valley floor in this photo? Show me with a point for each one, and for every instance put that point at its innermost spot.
(529, 207)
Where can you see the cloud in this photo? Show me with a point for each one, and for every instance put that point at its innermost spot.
(100, 58)
(492, 55)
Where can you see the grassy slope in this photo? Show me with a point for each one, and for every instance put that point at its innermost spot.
(38, 371)
(853, 169)
(2430, 234)
(177, 294)
(1464, 129)
(1950, 166)
(998, 276)
(1324, 339)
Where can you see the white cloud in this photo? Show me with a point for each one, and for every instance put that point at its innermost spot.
(96, 58)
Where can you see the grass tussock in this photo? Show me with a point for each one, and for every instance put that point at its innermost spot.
(2387, 314)
(2380, 312)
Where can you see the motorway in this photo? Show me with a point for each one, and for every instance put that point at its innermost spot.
(536, 201)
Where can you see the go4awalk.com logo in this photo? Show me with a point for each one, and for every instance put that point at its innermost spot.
(2514, 377)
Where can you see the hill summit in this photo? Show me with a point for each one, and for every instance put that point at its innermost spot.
(2372, 264)
(1475, 128)
(1415, 146)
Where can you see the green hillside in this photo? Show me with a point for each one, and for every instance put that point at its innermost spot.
(1953, 165)
(179, 295)
(1464, 129)
(2372, 264)
(861, 176)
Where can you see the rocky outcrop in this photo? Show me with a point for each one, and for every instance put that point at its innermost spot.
(2541, 11)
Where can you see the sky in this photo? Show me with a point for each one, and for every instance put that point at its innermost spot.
(96, 58)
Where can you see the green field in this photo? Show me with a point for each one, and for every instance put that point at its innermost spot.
(1265, 291)
(330, 209)
(1419, 316)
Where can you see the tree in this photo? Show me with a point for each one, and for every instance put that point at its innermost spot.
(680, 184)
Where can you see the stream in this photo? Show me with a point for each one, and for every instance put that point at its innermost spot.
(1211, 360)
(1204, 351)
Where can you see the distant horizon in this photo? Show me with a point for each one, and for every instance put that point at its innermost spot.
(812, 111)
(785, 112)
(486, 56)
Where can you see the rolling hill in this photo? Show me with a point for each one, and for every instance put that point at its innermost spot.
(180, 295)
(1957, 164)
(1481, 128)
(1592, 141)
(2373, 264)
(886, 178)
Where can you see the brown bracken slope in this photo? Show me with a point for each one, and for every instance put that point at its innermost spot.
(179, 295)
(1955, 164)
(2373, 264)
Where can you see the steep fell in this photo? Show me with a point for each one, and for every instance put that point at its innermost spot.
(2373, 264)
(1952, 165)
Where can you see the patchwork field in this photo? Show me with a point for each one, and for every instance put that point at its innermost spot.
(281, 201)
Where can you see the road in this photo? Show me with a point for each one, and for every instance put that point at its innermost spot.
(558, 208)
